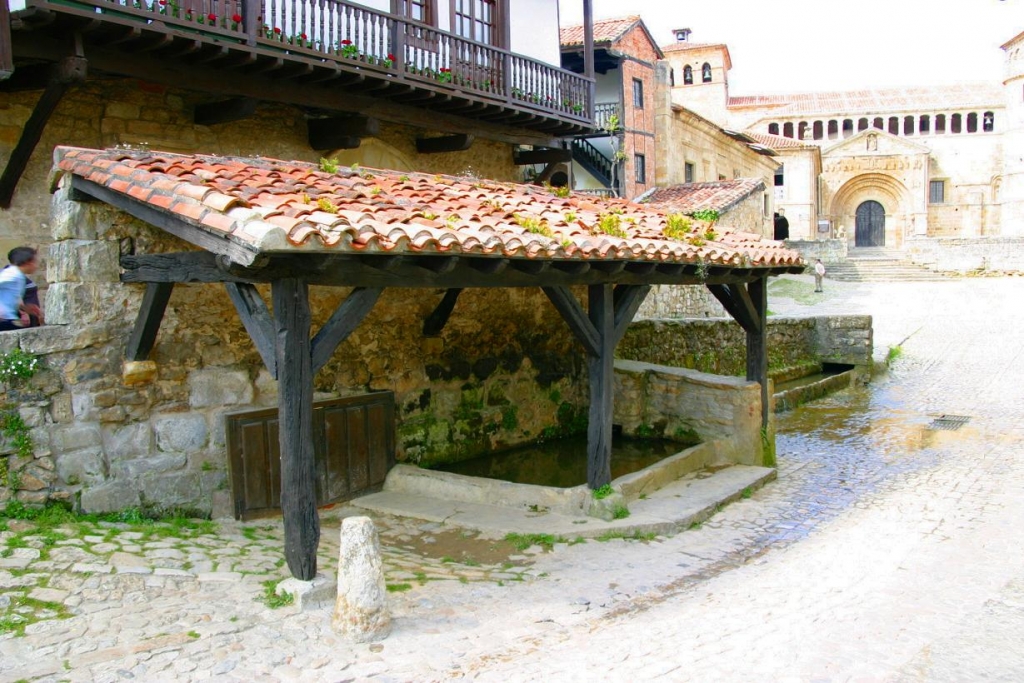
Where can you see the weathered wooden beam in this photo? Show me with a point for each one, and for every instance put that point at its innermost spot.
(589, 56)
(744, 302)
(147, 324)
(340, 132)
(342, 323)
(225, 111)
(292, 322)
(397, 271)
(725, 296)
(436, 321)
(757, 343)
(27, 78)
(628, 300)
(6, 53)
(582, 327)
(64, 74)
(459, 142)
(256, 318)
(541, 156)
(600, 367)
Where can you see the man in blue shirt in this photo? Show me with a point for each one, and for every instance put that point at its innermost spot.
(14, 311)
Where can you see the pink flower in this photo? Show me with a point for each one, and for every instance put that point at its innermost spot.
(237, 18)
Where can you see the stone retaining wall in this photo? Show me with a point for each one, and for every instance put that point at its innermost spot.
(993, 254)
(718, 345)
(680, 301)
(829, 251)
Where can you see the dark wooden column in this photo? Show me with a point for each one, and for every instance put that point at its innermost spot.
(757, 342)
(6, 54)
(588, 54)
(295, 423)
(602, 374)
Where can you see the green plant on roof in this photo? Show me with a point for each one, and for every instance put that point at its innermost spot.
(325, 205)
(403, 178)
(562, 191)
(533, 224)
(710, 235)
(452, 220)
(328, 165)
(306, 199)
(566, 243)
(677, 226)
(570, 217)
(610, 224)
(375, 191)
(430, 216)
(706, 216)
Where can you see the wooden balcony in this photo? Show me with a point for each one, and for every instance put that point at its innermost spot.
(321, 54)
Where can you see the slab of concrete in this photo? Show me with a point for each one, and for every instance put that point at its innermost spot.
(673, 508)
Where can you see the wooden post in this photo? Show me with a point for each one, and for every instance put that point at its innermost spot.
(147, 324)
(292, 322)
(588, 55)
(398, 29)
(757, 343)
(251, 20)
(601, 370)
(6, 53)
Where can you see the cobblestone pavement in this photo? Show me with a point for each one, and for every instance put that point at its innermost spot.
(886, 550)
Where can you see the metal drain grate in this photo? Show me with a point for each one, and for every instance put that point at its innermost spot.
(949, 422)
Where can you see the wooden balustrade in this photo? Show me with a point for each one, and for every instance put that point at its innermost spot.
(349, 34)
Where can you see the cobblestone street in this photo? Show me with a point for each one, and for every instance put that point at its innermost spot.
(886, 550)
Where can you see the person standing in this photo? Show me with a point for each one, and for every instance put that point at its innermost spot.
(15, 313)
(781, 225)
(819, 275)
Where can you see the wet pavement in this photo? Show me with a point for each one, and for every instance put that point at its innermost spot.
(886, 550)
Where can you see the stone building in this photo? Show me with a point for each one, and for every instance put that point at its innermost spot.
(894, 168)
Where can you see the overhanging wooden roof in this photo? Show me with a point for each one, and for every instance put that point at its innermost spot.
(252, 210)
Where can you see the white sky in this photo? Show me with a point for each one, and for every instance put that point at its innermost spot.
(813, 45)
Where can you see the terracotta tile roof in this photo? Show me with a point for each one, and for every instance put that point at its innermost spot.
(267, 206)
(877, 101)
(777, 142)
(605, 30)
(715, 196)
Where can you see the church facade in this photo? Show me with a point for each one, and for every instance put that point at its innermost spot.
(878, 168)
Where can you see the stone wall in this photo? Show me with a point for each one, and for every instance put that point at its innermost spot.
(718, 346)
(504, 370)
(722, 411)
(991, 254)
(129, 112)
(680, 301)
(829, 251)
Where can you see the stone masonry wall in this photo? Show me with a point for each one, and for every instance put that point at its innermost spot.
(995, 254)
(829, 251)
(680, 301)
(718, 346)
(504, 369)
(128, 112)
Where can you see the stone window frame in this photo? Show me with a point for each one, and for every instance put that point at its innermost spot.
(934, 183)
(640, 168)
(689, 172)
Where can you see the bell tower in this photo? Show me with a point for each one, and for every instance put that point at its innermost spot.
(700, 73)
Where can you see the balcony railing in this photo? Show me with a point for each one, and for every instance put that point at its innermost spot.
(603, 113)
(383, 44)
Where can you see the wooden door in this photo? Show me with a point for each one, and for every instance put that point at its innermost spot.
(354, 446)
(870, 225)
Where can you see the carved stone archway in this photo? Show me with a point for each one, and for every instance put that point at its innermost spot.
(892, 194)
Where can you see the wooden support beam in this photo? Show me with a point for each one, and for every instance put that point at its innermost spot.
(256, 318)
(573, 314)
(757, 343)
(601, 370)
(725, 295)
(745, 304)
(436, 321)
(28, 78)
(147, 324)
(342, 323)
(459, 142)
(628, 300)
(295, 426)
(6, 53)
(64, 74)
(225, 111)
(588, 55)
(541, 156)
(341, 132)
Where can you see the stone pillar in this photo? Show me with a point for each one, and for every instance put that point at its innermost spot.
(361, 612)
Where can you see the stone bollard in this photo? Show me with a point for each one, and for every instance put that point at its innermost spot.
(361, 612)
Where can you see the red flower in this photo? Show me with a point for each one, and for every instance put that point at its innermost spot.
(444, 71)
(346, 42)
(211, 17)
(277, 30)
(302, 35)
(162, 2)
(391, 57)
(237, 18)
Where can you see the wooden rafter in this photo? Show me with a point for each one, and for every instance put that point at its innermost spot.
(436, 321)
(342, 323)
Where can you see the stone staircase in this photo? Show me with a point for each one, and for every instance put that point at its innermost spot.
(877, 264)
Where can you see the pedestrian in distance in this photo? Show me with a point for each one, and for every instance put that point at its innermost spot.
(819, 275)
(17, 311)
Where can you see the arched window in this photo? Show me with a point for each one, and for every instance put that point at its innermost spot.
(819, 130)
(833, 130)
(924, 124)
(940, 124)
(773, 129)
(705, 73)
(862, 124)
(787, 130)
(956, 123)
(894, 125)
(847, 128)
(879, 123)
(908, 125)
(972, 122)
(687, 75)
(988, 122)
(802, 131)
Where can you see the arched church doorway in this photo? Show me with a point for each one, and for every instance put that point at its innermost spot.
(870, 225)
